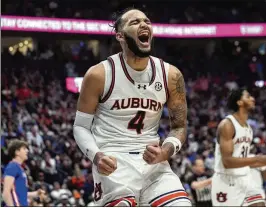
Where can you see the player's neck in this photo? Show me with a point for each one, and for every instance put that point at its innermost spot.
(242, 117)
(18, 160)
(136, 63)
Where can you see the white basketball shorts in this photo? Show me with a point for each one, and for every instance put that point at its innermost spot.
(135, 183)
(233, 190)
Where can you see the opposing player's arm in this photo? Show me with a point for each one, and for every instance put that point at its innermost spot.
(34, 194)
(8, 186)
(225, 135)
(177, 107)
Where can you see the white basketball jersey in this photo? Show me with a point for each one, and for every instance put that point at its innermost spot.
(127, 117)
(242, 141)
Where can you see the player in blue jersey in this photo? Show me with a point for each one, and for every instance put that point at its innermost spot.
(15, 190)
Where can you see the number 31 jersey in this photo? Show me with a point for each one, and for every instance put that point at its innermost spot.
(128, 115)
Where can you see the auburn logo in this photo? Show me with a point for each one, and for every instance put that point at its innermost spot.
(97, 191)
(221, 197)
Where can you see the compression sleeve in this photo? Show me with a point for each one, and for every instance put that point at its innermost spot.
(83, 136)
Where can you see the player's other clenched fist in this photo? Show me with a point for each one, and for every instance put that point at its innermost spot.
(105, 164)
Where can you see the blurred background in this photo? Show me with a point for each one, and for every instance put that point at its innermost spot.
(45, 58)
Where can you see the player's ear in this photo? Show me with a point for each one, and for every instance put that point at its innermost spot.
(119, 36)
(240, 103)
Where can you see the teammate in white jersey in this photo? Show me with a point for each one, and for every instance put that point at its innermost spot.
(117, 120)
(232, 182)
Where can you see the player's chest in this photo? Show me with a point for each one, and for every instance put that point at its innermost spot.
(128, 105)
(143, 91)
(21, 179)
(243, 136)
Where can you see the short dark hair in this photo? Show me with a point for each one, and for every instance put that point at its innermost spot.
(233, 98)
(14, 146)
(117, 18)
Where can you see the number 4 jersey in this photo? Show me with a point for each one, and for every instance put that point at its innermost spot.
(128, 114)
(242, 141)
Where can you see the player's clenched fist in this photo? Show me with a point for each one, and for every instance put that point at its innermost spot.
(105, 164)
(154, 154)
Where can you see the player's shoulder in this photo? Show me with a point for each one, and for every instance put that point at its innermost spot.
(11, 167)
(95, 74)
(226, 125)
(12, 164)
(95, 70)
(98, 71)
(175, 78)
(174, 71)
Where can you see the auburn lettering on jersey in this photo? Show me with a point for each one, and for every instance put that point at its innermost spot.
(243, 139)
(137, 103)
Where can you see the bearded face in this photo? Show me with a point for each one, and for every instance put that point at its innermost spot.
(137, 33)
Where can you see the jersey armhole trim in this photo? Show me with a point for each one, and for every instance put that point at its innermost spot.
(153, 71)
(164, 80)
(108, 94)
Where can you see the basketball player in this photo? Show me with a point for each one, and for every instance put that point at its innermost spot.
(117, 119)
(15, 191)
(232, 182)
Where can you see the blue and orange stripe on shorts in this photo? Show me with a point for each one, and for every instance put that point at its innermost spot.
(169, 197)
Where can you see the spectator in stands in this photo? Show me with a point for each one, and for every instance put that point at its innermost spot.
(63, 201)
(48, 166)
(57, 192)
(34, 136)
(77, 200)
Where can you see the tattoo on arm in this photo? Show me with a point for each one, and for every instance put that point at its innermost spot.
(178, 108)
(179, 83)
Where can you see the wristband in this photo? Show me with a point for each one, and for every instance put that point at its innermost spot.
(176, 143)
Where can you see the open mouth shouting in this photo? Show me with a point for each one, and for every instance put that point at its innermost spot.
(144, 38)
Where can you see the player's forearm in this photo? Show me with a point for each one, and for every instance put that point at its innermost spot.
(235, 162)
(7, 197)
(177, 107)
(201, 184)
(178, 132)
(178, 120)
(83, 136)
(85, 141)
